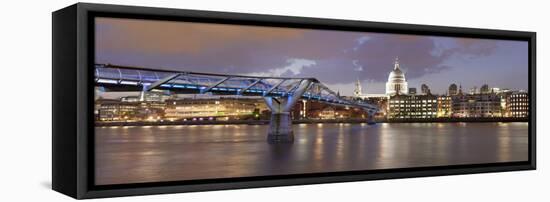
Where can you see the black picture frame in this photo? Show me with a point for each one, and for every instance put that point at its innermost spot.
(72, 100)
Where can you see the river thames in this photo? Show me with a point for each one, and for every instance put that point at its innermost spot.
(136, 154)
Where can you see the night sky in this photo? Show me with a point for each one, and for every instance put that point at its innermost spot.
(336, 58)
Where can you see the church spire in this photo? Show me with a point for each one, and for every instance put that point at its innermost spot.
(358, 91)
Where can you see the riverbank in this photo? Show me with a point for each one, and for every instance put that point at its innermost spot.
(313, 121)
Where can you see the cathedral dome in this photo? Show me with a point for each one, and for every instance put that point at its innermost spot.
(397, 84)
(396, 74)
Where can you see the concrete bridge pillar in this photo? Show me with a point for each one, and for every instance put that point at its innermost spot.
(280, 125)
(280, 128)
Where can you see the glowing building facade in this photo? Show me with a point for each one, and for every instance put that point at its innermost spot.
(517, 104)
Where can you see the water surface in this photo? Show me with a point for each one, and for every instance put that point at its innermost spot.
(134, 154)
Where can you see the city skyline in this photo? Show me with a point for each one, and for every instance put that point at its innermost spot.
(337, 58)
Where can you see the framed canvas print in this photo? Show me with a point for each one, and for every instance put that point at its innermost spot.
(154, 100)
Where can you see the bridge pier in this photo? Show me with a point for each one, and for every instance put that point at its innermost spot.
(280, 128)
(370, 118)
(280, 124)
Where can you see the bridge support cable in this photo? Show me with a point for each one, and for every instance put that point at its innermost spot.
(161, 81)
(243, 90)
(274, 87)
(291, 90)
(215, 85)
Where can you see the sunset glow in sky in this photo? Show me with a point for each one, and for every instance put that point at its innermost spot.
(336, 58)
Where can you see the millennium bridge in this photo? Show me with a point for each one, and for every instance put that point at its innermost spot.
(280, 93)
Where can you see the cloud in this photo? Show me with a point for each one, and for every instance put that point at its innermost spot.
(294, 68)
(170, 37)
(334, 57)
(211, 47)
(358, 67)
(475, 47)
(373, 59)
(360, 41)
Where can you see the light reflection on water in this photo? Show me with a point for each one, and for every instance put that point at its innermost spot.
(167, 153)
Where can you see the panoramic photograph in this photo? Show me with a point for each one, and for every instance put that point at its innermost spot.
(177, 101)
